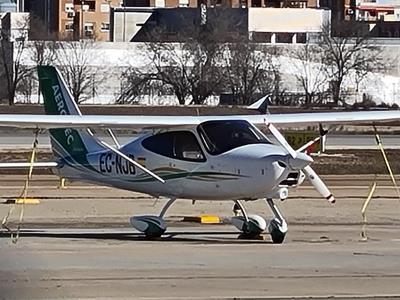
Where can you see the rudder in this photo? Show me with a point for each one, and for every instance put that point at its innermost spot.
(59, 101)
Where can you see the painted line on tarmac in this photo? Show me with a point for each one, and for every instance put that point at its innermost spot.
(311, 297)
(308, 297)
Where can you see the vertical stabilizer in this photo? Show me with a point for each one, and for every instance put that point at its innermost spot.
(66, 142)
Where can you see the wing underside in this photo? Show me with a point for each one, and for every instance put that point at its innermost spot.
(24, 165)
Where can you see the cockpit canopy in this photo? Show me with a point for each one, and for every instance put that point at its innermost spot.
(222, 136)
(217, 136)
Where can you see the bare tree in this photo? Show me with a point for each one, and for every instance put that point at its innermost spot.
(42, 46)
(43, 52)
(171, 65)
(13, 42)
(191, 66)
(251, 70)
(74, 61)
(309, 70)
(188, 69)
(206, 74)
(135, 84)
(349, 50)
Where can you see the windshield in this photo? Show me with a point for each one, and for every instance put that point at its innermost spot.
(222, 136)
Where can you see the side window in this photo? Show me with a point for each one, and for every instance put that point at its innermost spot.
(181, 145)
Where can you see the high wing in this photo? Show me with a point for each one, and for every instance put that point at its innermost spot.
(165, 122)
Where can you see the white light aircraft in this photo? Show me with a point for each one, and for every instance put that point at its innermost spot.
(188, 157)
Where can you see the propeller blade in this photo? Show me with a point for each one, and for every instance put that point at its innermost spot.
(281, 139)
(319, 184)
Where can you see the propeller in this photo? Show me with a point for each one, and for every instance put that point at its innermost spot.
(319, 184)
(315, 180)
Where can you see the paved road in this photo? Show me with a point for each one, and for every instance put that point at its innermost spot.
(334, 141)
(77, 244)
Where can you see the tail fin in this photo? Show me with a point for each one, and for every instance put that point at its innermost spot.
(66, 142)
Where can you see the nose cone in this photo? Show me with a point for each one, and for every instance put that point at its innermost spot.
(302, 160)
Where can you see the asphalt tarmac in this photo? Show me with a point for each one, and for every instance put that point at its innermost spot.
(77, 244)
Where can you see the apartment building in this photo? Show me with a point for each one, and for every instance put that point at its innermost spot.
(80, 19)
(222, 3)
(74, 19)
(85, 19)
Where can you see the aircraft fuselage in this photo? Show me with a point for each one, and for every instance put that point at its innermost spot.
(250, 171)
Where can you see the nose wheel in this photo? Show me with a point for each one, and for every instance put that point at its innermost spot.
(251, 226)
(277, 227)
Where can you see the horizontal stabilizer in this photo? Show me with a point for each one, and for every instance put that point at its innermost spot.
(261, 105)
(22, 165)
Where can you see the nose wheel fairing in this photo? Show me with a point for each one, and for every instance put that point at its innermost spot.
(253, 228)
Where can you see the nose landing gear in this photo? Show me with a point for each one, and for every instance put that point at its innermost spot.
(252, 226)
(277, 227)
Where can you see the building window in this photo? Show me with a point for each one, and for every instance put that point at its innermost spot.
(105, 8)
(136, 3)
(273, 3)
(284, 37)
(69, 26)
(301, 37)
(262, 37)
(159, 3)
(183, 3)
(89, 4)
(105, 26)
(89, 29)
(69, 7)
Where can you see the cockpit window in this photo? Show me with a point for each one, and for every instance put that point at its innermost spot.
(222, 136)
(181, 145)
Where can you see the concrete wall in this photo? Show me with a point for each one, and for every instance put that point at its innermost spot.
(287, 19)
(109, 60)
(126, 25)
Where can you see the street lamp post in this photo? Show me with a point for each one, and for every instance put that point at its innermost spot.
(84, 7)
(82, 3)
(123, 34)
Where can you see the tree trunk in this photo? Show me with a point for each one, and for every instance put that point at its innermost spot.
(336, 91)
(181, 99)
(11, 96)
(308, 99)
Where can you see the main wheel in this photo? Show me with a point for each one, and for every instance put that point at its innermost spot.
(151, 226)
(277, 235)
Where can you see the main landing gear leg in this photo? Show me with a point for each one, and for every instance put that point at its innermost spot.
(277, 227)
(152, 226)
(250, 225)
